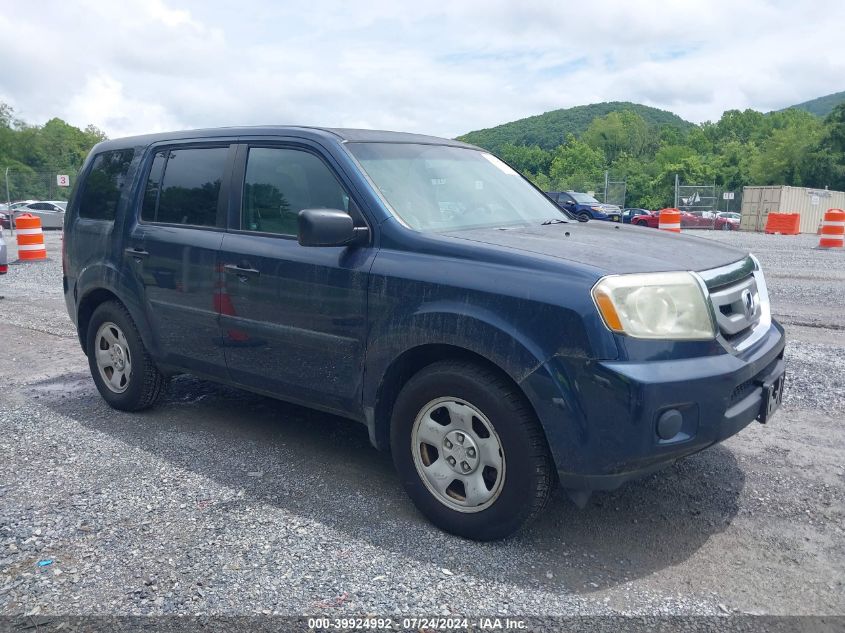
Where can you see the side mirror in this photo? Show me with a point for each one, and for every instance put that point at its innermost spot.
(329, 227)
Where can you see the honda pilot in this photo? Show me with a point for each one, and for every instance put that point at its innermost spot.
(496, 346)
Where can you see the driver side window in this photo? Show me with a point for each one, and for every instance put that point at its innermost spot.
(281, 182)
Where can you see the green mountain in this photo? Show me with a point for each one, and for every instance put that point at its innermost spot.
(550, 129)
(821, 106)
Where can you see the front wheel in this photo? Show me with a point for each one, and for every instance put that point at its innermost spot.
(584, 217)
(727, 226)
(470, 451)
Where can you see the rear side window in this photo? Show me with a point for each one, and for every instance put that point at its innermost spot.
(184, 186)
(105, 181)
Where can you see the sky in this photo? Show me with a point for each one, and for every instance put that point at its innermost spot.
(441, 68)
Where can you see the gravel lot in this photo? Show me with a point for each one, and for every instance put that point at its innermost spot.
(222, 502)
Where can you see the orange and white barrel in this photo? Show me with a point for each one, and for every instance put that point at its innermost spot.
(670, 220)
(832, 234)
(30, 238)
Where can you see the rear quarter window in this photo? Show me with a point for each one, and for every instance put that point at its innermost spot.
(103, 185)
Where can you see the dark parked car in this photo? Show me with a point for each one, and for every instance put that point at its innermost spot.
(584, 206)
(425, 289)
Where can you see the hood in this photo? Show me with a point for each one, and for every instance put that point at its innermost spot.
(613, 248)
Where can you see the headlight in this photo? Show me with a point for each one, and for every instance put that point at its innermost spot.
(655, 305)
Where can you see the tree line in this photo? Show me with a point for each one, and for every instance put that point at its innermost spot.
(790, 147)
(35, 154)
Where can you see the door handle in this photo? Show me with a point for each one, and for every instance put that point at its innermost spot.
(242, 272)
(136, 253)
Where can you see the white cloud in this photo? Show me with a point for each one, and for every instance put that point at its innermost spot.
(443, 68)
(103, 99)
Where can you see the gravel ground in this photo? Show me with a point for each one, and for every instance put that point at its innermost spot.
(222, 502)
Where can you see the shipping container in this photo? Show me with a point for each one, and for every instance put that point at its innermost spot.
(809, 203)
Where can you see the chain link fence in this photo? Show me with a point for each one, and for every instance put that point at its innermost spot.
(707, 206)
(35, 185)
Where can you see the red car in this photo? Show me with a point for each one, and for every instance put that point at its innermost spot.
(688, 220)
(649, 218)
(697, 220)
(727, 221)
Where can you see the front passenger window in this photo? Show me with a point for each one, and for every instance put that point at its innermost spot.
(281, 182)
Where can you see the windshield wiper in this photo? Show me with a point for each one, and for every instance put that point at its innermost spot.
(554, 221)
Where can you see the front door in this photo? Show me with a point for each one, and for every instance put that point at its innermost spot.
(293, 318)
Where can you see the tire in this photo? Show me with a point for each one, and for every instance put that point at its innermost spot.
(641, 223)
(584, 217)
(489, 412)
(727, 227)
(125, 374)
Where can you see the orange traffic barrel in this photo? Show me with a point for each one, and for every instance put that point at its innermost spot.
(833, 229)
(30, 238)
(670, 220)
(222, 303)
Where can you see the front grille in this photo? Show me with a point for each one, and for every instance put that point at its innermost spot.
(739, 304)
(737, 307)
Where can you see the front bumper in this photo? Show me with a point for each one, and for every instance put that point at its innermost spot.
(601, 417)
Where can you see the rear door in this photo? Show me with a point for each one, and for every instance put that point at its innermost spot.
(293, 317)
(173, 247)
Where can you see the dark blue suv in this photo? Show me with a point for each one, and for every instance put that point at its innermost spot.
(584, 206)
(423, 288)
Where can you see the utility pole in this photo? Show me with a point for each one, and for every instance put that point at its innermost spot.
(676, 191)
(606, 176)
(9, 204)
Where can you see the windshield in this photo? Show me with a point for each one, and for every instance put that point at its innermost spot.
(441, 188)
(583, 198)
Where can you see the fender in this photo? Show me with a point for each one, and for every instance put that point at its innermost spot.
(467, 327)
(106, 276)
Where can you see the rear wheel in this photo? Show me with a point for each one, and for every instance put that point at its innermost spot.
(123, 370)
(470, 451)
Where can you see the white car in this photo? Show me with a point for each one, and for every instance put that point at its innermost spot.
(51, 212)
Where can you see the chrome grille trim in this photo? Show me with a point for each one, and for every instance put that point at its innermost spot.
(726, 275)
(731, 306)
(726, 287)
